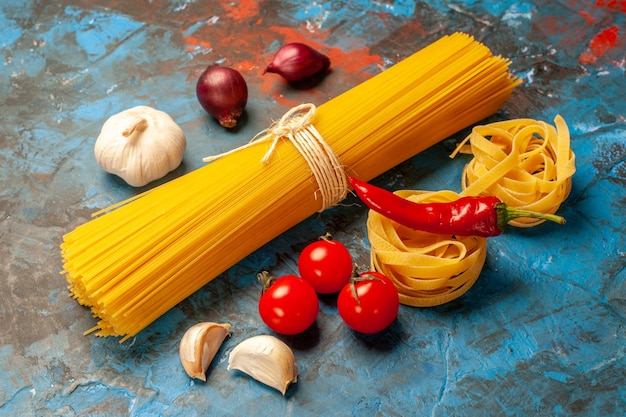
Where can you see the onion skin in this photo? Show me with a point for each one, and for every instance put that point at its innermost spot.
(223, 93)
(297, 62)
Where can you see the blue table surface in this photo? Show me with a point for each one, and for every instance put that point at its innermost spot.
(541, 333)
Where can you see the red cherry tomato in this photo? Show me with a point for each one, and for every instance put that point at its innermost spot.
(289, 305)
(369, 304)
(326, 264)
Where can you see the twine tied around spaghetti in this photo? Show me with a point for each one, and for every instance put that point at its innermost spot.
(296, 126)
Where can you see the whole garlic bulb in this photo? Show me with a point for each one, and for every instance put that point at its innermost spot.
(140, 145)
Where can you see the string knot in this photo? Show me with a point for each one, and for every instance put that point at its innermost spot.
(296, 126)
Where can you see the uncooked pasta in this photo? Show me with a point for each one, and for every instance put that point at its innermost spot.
(428, 269)
(139, 258)
(526, 163)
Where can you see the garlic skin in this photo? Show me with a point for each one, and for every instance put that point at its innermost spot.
(266, 359)
(140, 145)
(199, 345)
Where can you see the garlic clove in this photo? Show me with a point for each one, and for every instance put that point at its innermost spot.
(199, 345)
(140, 145)
(266, 359)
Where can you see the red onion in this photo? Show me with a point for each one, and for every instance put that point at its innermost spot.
(223, 93)
(298, 62)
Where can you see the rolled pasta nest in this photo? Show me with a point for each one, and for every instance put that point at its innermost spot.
(526, 163)
(427, 269)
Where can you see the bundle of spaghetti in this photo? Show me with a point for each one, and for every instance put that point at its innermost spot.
(526, 163)
(428, 269)
(139, 258)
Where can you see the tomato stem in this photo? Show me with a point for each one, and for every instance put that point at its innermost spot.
(354, 293)
(266, 280)
(360, 278)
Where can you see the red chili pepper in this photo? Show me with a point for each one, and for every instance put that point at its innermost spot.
(467, 216)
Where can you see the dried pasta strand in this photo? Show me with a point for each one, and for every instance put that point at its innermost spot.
(143, 256)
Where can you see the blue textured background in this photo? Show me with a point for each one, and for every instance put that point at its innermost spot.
(541, 333)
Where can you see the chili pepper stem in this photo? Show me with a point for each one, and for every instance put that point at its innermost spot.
(506, 214)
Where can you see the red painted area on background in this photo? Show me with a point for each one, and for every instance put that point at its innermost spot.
(620, 6)
(193, 44)
(300, 34)
(600, 44)
(243, 10)
(588, 17)
(230, 47)
(604, 40)
(592, 12)
(228, 44)
(588, 9)
(354, 61)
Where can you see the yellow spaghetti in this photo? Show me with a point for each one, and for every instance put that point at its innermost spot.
(428, 269)
(526, 163)
(143, 256)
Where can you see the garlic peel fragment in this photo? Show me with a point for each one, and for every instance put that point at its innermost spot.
(266, 359)
(199, 345)
(140, 145)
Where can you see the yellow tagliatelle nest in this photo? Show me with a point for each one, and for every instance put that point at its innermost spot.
(526, 163)
(427, 269)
